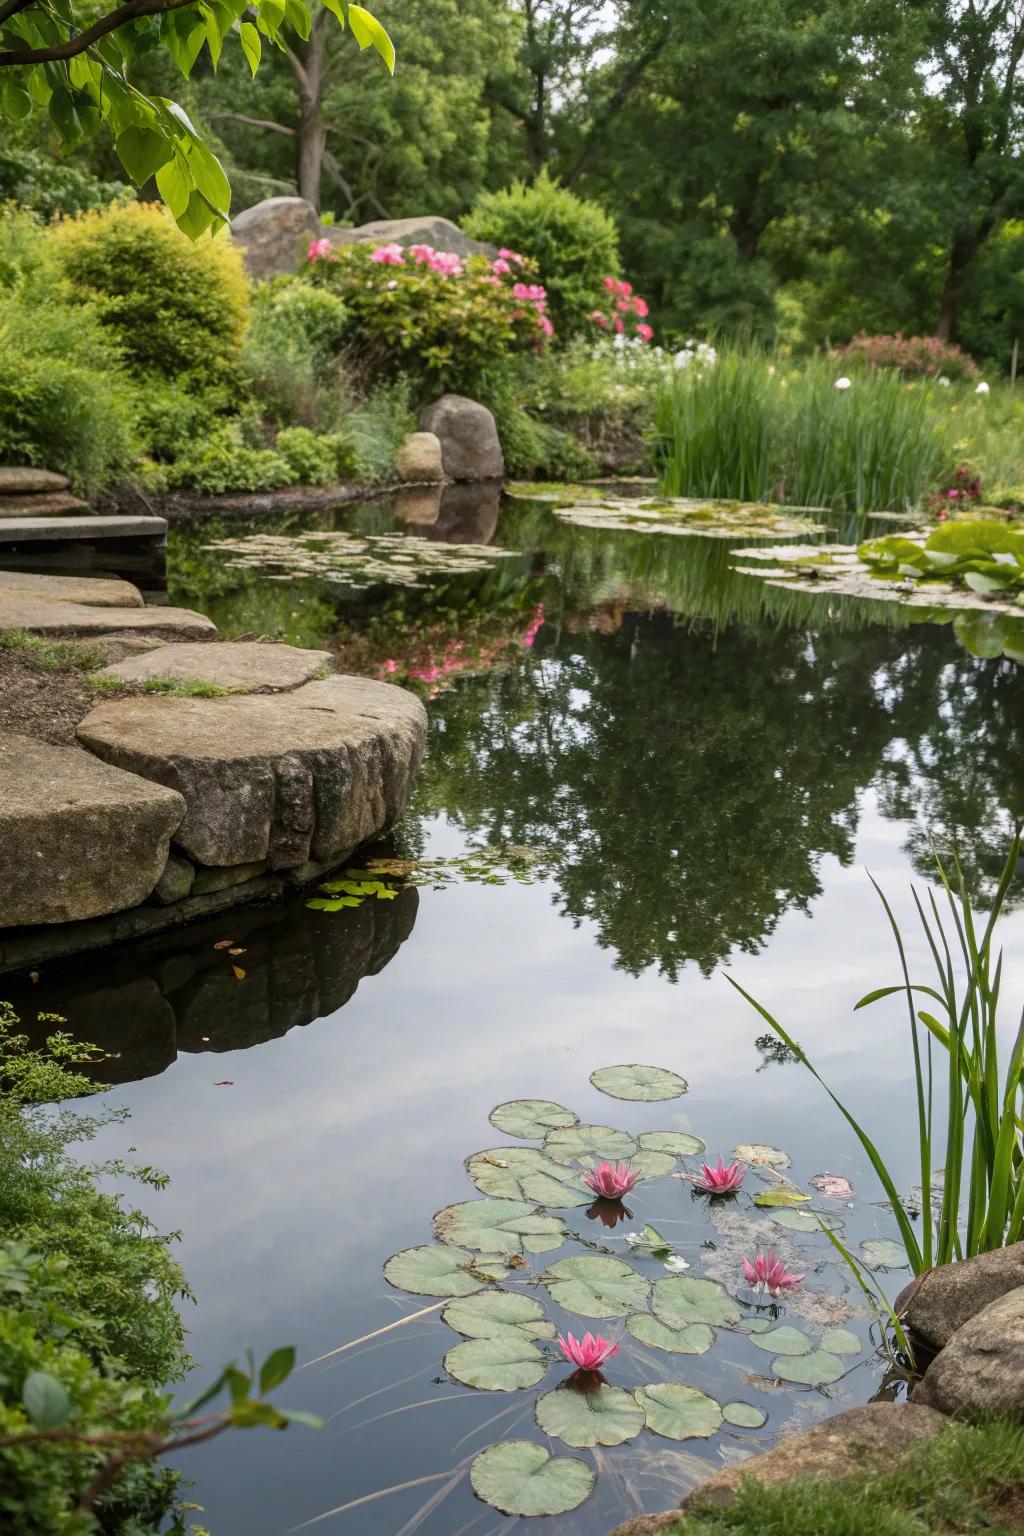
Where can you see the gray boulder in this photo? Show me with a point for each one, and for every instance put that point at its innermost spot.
(425, 229)
(943, 1299)
(275, 235)
(980, 1372)
(470, 448)
(176, 881)
(419, 457)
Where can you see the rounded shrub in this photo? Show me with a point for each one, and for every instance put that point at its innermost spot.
(573, 242)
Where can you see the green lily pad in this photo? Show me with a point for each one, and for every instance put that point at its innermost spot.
(755, 1325)
(646, 1165)
(760, 1156)
(520, 1477)
(493, 1313)
(743, 1415)
(605, 1416)
(499, 1226)
(593, 1286)
(691, 1339)
(784, 1341)
(682, 1299)
(806, 1221)
(524, 1173)
(679, 1412)
(781, 1195)
(883, 1253)
(500, 1364)
(577, 1142)
(648, 1084)
(435, 1269)
(679, 1143)
(840, 1341)
(814, 1370)
(530, 1119)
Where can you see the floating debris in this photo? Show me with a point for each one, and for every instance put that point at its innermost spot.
(355, 561)
(701, 519)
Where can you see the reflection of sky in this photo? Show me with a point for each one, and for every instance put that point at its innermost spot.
(335, 1144)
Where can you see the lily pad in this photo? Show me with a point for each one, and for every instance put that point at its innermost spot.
(883, 1253)
(678, 1143)
(682, 1299)
(758, 1155)
(575, 1143)
(691, 1339)
(743, 1415)
(500, 1364)
(755, 1325)
(814, 1370)
(832, 1185)
(781, 1195)
(648, 1084)
(494, 1313)
(646, 1165)
(840, 1341)
(530, 1119)
(593, 1286)
(806, 1221)
(784, 1341)
(436, 1269)
(499, 1226)
(524, 1173)
(679, 1412)
(605, 1416)
(520, 1477)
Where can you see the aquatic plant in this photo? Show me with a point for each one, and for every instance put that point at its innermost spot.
(611, 1181)
(982, 553)
(769, 1272)
(719, 1179)
(590, 1352)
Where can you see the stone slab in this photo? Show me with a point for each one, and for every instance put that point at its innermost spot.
(50, 504)
(243, 664)
(93, 591)
(21, 530)
(288, 778)
(45, 617)
(78, 838)
(21, 479)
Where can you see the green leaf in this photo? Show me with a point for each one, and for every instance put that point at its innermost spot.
(585, 1418)
(174, 186)
(504, 1362)
(209, 177)
(577, 1142)
(781, 1195)
(743, 1415)
(840, 1341)
(46, 1400)
(297, 16)
(520, 1477)
(15, 103)
(142, 151)
(814, 1370)
(531, 1119)
(691, 1339)
(806, 1221)
(277, 1367)
(648, 1084)
(249, 1415)
(783, 1341)
(436, 1270)
(883, 1253)
(336, 9)
(524, 1173)
(678, 1143)
(594, 1286)
(499, 1226)
(369, 33)
(678, 1412)
(760, 1156)
(197, 217)
(682, 1299)
(493, 1313)
(64, 117)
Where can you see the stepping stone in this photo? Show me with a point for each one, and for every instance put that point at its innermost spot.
(44, 616)
(52, 504)
(241, 664)
(93, 591)
(86, 527)
(79, 837)
(23, 479)
(288, 778)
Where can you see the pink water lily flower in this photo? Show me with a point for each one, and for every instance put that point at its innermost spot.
(590, 1352)
(720, 1180)
(770, 1272)
(611, 1182)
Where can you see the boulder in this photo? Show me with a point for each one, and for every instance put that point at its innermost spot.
(92, 591)
(419, 457)
(78, 838)
(442, 234)
(24, 479)
(980, 1372)
(417, 504)
(176, 881)
(48, 616)
(288, 778)
(470, 449)
(943, 1299)
(275, 235)
(238, 664)
(469, 513)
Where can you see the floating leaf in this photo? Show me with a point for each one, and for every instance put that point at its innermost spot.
(755, 1325)
(814, 1370)
(781, 1195)
(635, 1082)
(493, 1313)
(520, 1477)
(784, 1341)
(605, 1416)
(806, 1221)
(682, 1299)
(883, 1253)
(438, 1270)
(833, 1185)
(525, 1173)
(679, 1143)
(840, 1341)
(761, 1156)
(678, 1412)
(691, 1339)
(530, 1119)
(499, 1226)
(503, 1363)
(593, 1286)
(576, 1143)
(743, 1415)
(646, 1165)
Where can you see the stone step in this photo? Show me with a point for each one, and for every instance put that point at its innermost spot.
(54, 504)
(237, 664)
(23, 479)
(93, 591)
(48, 616)
(23, 530)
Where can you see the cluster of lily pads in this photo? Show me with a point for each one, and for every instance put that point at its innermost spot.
(984, 555)
(702, 519)
(354, 561)
(479, 1264)
(382, 878)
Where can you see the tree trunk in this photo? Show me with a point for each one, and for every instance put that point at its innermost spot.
(308, 64)
(961, 254)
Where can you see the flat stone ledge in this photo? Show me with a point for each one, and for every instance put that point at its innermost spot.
(19, 479)
(239, 664)
(78, 838)
(92, 591)
(25, 530)
(51, 504)
(46, 616)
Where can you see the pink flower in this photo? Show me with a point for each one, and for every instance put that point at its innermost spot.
(770, 1272)
(619, 325)
(447, 262)
(391, 665)
(533, 293)
(624, 288)
(623, 305)
(644, 331)
(536, 623)
(546, 326)
(389, 256)
(422, 253)
(599, 318)
(319, 250)
(611, 285)
(611, 1183)
(505, 254)
(501, 265)
(720, 1180)
(640, 307)
(590, 1352)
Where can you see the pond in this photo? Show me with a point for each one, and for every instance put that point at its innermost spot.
(645, 772)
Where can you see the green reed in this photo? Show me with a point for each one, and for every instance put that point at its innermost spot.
(972, 1129)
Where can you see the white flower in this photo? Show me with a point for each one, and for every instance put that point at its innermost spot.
(675, 1263)
(943, 381)
(633, 1239)
(982, 388)
(844, 383)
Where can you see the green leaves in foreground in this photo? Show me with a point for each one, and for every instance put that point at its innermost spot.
(648, 1084)
(603, 1416)
(438, 1269)
(593, 1286)
(503, 1363)
(45, 1399)
(530, 1119)
(499, 1226)
(679, 1412)
(520, 1477)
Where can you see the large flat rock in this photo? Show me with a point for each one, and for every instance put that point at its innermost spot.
(47, 616)
(83, 527)
(78, 838)
(93, 591)
(242, 664)
(47, 504)
(310, 774)
(21, 479)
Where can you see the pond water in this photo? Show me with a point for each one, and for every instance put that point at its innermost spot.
(690, 775)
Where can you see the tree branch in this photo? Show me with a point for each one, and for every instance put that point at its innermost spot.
(132, 10)
(628, 83)
(251, 122)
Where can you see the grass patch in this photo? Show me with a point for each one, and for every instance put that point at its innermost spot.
(179, 687)
(52, 655)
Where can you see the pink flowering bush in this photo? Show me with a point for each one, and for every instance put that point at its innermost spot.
(434, 316)
(924, 356)
(624, 313)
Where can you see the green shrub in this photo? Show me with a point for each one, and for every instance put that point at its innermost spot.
(171, 419)
(223, 461)
(573, 242)
(913, 356)
(312, 460)
(50, 186)
(290, 357)
(374, 429)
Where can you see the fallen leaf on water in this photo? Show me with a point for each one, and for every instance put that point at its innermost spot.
(223, 943)
(236, 951)
(763, 1383)
(238, 973)
(33, 977)
(515, 1261)
(833, 1185)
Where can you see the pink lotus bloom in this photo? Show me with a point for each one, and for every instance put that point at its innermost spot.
(590, 1352)
(640, 307)
(501, 265)
(389, 256)
(611, 1183)
(770, 1272)
(505, 254)
(319, 250)
(644, 331)
(720, 1180)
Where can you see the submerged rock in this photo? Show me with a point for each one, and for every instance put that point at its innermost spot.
(944, 1299)
(470, 446)
(980, 1372)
